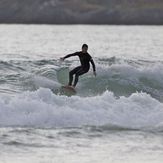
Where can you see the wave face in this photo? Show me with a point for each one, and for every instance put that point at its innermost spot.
(125, 94)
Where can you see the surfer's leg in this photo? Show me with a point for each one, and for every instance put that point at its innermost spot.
(75, 70)
(80, 72)
(70, 79)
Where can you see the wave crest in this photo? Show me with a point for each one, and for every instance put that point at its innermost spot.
(44, 109)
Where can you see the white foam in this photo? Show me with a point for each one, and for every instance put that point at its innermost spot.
(42, 108)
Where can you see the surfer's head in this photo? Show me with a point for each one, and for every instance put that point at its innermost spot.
(84, 48)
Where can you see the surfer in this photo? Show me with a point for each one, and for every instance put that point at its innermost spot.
(85, 58)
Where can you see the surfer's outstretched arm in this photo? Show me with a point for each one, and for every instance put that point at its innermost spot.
(69, 55)
(93, 66)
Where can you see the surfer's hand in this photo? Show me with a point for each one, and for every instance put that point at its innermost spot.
(62, 59)
(94, 73)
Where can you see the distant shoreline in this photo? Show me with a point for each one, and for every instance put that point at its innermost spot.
(91, 12)
(13, 23)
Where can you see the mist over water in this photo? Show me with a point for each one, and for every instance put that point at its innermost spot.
(122, 104)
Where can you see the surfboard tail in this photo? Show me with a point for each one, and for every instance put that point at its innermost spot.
(69, 88)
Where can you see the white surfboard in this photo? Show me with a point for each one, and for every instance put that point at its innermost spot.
(63, 75)
(63, 79)
(69, 88)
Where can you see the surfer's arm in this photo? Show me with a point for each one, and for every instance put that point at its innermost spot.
(93, 65)
(70, 55)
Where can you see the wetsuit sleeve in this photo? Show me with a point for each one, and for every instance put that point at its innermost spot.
(93, 64)
(70, 55)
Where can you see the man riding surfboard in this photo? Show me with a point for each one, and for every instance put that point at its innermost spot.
(85, 60)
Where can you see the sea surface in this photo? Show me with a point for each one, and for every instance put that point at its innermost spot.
(116, 117)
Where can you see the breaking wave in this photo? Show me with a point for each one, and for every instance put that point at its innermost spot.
(125, 94)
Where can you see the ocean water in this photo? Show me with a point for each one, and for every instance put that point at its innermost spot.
(114, 117)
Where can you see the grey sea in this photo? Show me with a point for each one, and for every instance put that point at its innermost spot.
(115, 117)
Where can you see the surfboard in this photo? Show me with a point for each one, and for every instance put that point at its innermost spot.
(63, 78)
(67, 91)
(63, 75)
(69, 88)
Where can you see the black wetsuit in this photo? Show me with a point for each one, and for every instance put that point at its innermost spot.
(85, 58)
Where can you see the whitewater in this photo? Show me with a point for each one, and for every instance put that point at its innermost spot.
(114, 117)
